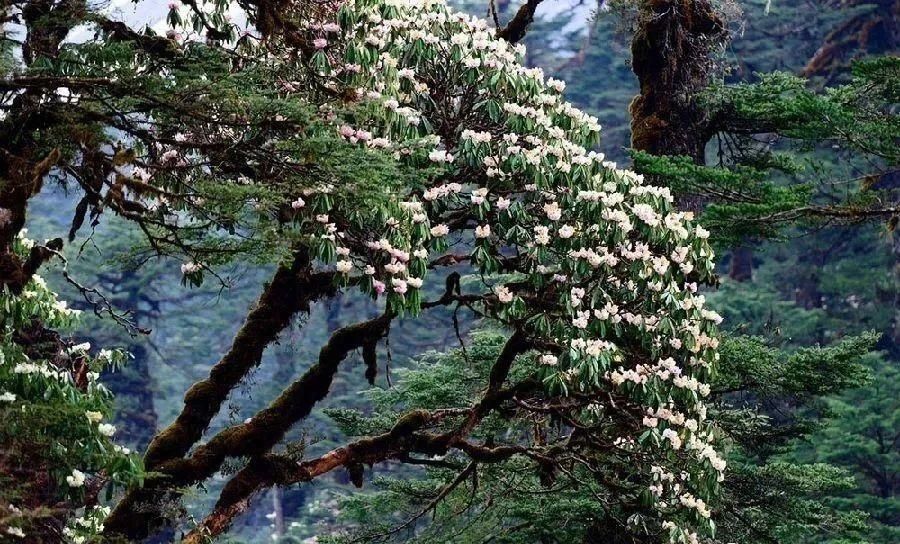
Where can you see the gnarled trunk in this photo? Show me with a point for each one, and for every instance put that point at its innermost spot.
(671, 58)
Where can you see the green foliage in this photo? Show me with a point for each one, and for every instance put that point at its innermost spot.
(750, 363)
(857, 114)
(758, 190)
(861, 438)
(767, 400)
(802, 468)
(55, 447)
(746, 196)
(783, 502)
(770, 388)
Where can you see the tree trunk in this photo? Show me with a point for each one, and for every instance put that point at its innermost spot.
(671, 59)
(867, 32)
(741, 268)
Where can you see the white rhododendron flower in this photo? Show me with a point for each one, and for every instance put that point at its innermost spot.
(549, 360)
(106, 429)
(190, 268)
(503, 293)
(344, 266)
(440, 230)
(76, 479)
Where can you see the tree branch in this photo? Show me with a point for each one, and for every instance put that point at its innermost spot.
(515, 30)
(398, 443)
(264, 430)
(292, 289)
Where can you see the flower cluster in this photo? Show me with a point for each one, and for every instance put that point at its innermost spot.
(56, 399)
(512, 167)
(82, 528)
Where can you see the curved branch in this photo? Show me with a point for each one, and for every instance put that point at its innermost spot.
(265, 429)
(278, 470)
(292, 290)
(399, 442)
(275, 469)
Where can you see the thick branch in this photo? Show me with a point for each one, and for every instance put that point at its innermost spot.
(292, 289)
(272, 469)
(278, 470)
(517, 27)
(398, 443)
(264, 430)
(156, 46)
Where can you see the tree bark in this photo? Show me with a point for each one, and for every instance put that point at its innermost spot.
(141, 511)
(23, 165)
(292, 290)
(671, 59)
(404, 437)
(875, 31)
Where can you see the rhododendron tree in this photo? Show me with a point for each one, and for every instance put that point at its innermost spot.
(390, 147)
(57, 453)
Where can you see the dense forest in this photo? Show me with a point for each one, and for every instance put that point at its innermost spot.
(500, 271)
